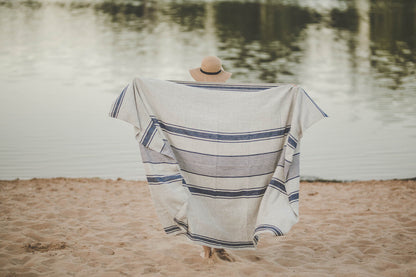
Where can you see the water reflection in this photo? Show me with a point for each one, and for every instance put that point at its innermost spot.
(358, 57)
(263, 41)
(393, 36)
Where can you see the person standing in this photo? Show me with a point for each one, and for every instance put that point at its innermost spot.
(211, 70)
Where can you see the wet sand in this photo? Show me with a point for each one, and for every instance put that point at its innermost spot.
(97, 227)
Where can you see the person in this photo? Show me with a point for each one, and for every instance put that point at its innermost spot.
(189, 155)
(211, 70)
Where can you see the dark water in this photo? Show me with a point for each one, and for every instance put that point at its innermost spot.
(64, 62)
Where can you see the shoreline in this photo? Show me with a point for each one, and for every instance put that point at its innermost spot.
(302, 179)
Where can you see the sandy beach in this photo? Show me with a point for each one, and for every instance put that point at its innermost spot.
(97, 227)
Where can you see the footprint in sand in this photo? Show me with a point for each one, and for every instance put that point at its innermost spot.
(253, 258)
(44, 247)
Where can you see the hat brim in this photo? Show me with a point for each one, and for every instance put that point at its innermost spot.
(202, 77)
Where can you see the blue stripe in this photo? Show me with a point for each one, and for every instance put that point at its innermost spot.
(157, 121)
(245, 87)
(277, 184)
(171, 229)
(221, 193)
(221, 141)
(216, 242)
(183, 224)
(215, 176)
(163, 179)
(294, 138)
(145, 131)
(116, 108)
(272, 228)
(219, 136)
(322, 112)
(292, 142)
(292, 178)
(294, 196)
(163, 147)
(153, 135)
(232, 156)
(231, 88)
(149, 134)
(148, 162)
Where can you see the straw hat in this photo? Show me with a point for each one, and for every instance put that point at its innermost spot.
(210, 71)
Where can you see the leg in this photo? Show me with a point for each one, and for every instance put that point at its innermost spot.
(222, 255)
(207, 252)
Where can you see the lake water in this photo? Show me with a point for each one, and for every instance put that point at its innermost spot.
(63, 63)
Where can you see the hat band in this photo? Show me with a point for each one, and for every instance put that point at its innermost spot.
(210, 73)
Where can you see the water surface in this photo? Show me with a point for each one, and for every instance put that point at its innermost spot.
(64, 62)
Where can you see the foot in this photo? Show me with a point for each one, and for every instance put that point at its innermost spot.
(223, 255)
(207, 252)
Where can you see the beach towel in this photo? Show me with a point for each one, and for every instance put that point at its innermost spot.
(221, 160)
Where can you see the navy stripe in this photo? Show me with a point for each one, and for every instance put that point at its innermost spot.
(162, 183)
(162, 179)
(209, 135)
(262, 228)
(148, 162)
(217, 137)
(294, 138)
(153, 135)
(183, 224)
(294, 196)
(214, 176)
(117, 105)
(217, 242)
(230, 88)
(157, 121)
(145, 131)
(116, 108)
(212, 241)
(234, 87)
(292, 178)
(149, 134)
(171, 229)
(277, 184)
(322, 112)
(223, 141)
(163, 147)
(232, 156)
(273, 228)
(218, 193)
(292, 142)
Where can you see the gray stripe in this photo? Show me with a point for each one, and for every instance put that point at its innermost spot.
(226, 166)
(294, 167)
(153, 156)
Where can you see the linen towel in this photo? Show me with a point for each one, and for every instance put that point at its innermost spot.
(222, 160)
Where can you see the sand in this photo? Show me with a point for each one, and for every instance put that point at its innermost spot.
(96, 227)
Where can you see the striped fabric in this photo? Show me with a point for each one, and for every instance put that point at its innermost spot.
(222, 160)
